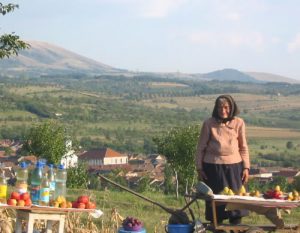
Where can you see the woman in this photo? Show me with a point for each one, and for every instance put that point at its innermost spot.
(222, 158)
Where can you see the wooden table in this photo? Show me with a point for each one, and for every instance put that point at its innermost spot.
(267, 207)
(49, 214)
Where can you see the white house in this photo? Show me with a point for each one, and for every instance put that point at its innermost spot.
(70, 159)
(104, 156)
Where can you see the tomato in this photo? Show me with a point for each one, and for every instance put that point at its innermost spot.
(21, 203)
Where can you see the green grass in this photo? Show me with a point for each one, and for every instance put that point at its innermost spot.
(153, 217)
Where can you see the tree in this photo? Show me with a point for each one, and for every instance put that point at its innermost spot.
(48, 141)
(10, 44)
(179, 147)
(77, 177)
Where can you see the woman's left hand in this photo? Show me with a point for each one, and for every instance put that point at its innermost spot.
(245, 176)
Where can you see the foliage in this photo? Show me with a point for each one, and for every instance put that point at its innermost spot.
(179, 147)
(10, 44)
(289, 145)
(168, 181)
(77, 177)
(296, 183)
(47, 140)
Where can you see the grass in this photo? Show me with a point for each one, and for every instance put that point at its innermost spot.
(154, 218)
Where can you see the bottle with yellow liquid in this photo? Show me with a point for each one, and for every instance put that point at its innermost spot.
(3, 187)
(45, 191)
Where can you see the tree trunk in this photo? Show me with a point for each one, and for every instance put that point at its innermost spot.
(176, 178)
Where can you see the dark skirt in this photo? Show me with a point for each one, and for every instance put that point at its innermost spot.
(220, 176)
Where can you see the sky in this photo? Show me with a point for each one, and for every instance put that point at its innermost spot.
(188, 36)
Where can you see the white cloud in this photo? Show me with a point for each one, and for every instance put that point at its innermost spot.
(294, 45)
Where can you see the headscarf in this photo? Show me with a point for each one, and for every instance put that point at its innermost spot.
(234, 110)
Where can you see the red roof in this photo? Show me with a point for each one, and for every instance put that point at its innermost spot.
(100, 153)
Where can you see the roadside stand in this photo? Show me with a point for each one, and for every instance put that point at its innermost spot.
(179, 221)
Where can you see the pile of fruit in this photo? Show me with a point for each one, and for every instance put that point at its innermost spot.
(230, 192)
(293, 196)
(275, 193)
(132, 224)
(17, 199)
(83, 202)
(60, 202)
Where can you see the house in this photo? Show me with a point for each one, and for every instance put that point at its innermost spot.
(104, 156)
(70, 159)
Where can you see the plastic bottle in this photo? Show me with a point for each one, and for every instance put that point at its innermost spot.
(52, 183)
(44, 191)
(22, 178)
(36, 179)
(60, 180)
(3, 187)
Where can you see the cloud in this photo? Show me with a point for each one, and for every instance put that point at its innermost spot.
(159, 8)
(294, 45)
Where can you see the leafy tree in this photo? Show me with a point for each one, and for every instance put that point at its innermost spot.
(77, 177)
(10, 44)
(179, 147)
(48, 141)
(168, 183)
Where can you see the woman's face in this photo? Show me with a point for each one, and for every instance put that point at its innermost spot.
(224, 109)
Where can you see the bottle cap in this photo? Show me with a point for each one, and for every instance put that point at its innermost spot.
(61, 166)
(50, 165)
(23, 164)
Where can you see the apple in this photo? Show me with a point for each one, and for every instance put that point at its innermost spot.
(12, 202)
(20, 203)
(90, 205)
(28, 202)
(25, 196)
(83, 199)
(81, 205)
(15, 195)
(74, 204)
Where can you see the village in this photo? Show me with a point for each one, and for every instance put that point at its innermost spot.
(105, 160)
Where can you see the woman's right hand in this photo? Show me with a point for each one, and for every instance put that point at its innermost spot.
(201, 175)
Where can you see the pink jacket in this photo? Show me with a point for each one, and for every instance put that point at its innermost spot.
(222, 143)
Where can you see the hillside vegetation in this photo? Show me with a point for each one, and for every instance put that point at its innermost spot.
(125, 113)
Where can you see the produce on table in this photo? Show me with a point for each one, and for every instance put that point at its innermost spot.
(17, 199)
(132, 224)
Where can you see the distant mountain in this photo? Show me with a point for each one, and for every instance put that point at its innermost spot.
(47, 59)
(267, 77)
(229, 75)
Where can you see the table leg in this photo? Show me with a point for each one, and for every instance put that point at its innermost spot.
(18, 223)
(61, 224)
(49, 226)
(214, 212)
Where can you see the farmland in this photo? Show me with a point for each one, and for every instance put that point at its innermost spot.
(125, 113)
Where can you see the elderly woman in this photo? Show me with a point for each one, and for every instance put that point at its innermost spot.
(222, 158)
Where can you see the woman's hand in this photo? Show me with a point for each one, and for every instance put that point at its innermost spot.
(245, 176)
(201, 175)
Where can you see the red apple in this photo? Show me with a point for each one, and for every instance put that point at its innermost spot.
(20, 203)
(74, 204)
(81, 205)
(25, 196)
(83, 199)
(90, 205)
(28, 202)
(15, 195)
(12, 202)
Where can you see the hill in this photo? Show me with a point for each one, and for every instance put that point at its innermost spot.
(47, 59)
